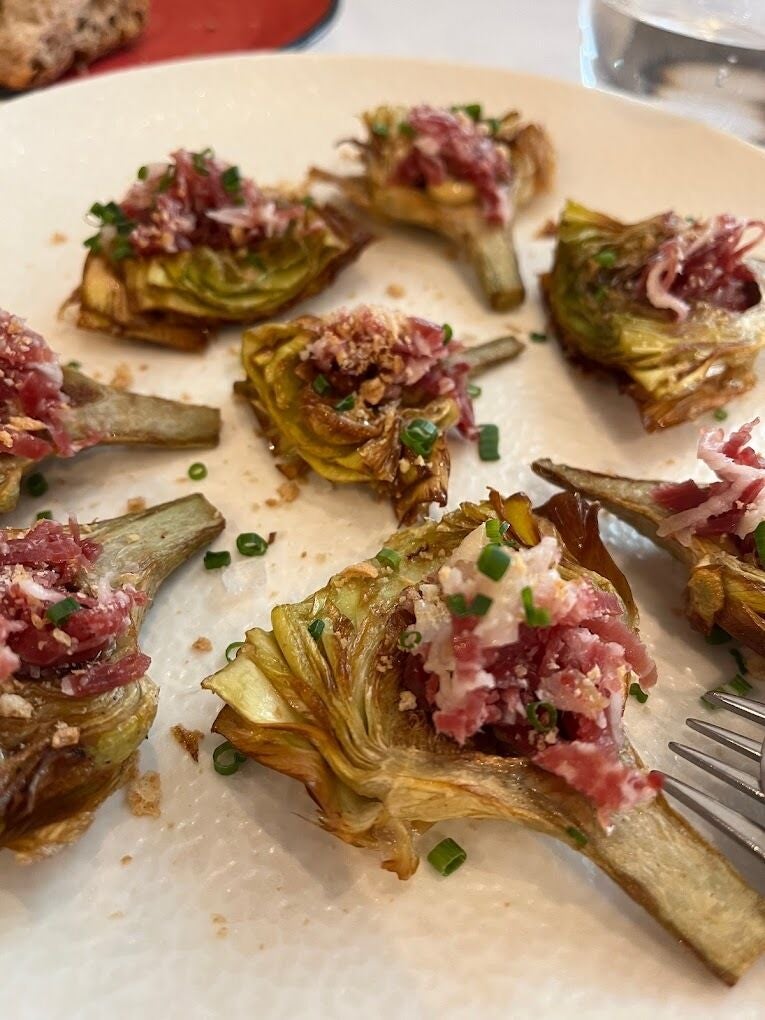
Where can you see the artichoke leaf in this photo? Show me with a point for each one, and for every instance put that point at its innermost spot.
(326, 712)
(48, 794)
(722, 589)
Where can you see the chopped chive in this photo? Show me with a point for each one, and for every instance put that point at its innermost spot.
(577, 835)
(232, 649)
(308, 201)
(717, 636)
(166, 179)
(493, 562)
(496, 530)
(231, 180)
(739, 685)
(600, 294)
(215, 560)
(321, 384)
(406, 129)
(535, 617)
(759, 542)
(226, 759)
(198, 159)
(458, 605)
(480, 605)
(44, 515)
(74, 364)
(381, 130)
(537, 338)
(143, 173)
(494, 124)
(448, 332)
(739, 660)
(121, 249)
(256, 261)
(473, 110)
(94, 243)
(719, 414)
(197, 471)
(542, 725)
(473, 390)
(606, 257)
(347, 403)
(446, 857)
(60, 612)
(316, 628)
(36, 485)
(409, 639)
(488, 442)
(249, 543)
(420, 436)
(638, 693)
(388, 558)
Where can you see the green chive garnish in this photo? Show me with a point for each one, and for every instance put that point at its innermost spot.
(381, 130)
(759, 542)
(638, 693)
(197, 471)
(199, 160)
(535, 617)
(739, 685)
(74, 364)
(60, 612)
(347, 403)
(121, 249)
(166, 179)
(494, 124)
(473, 390)
(308, 201)
(316, 628)
(448, 332)
(542, 715)
(36, 485)
(717, 636)
(143, 173)
(249, 543)
(493, 562)
(446, 857)
(231, 180)
(606, 258)
(420, 436)
(577, 835)
(215, 560)
(537, 338)
(409, 639)
(719, 414)
(321, 384)
(406, 129)
(94, 243)
(458, 605)
(473, 110)
(739, 660)
(388, 558)
(496, 530)
(232, 649)
(226, 759)
(44, 515)
(255, 260)
(488, 442)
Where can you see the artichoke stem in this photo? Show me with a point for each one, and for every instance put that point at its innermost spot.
(493, 255)
(491, 353)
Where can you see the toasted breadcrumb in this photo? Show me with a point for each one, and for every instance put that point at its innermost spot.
(58, 238)
(548, 229)
(13, 706)
(289, 491)
(395, 290)
(202, 644)
(136, 503)
(188, 739)
(116, 915)
(144, 795)
(65, 736)
(127, 859)
(122, 378)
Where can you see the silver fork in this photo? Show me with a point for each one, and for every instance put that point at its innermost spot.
(747, 831)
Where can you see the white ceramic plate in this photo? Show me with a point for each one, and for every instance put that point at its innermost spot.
(235, 904)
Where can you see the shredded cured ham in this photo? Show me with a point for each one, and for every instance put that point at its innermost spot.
(448, 145)
(732, 505)
(704, 261)
(385, 355)
(40, 570)
(197, 199)
(33, 406)
(550, 686)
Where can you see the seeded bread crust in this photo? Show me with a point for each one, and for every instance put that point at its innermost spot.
(41, 39)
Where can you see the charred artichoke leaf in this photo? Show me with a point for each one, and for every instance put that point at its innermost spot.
(48, 794)
(118, 418)
(722, 590)
(674, 371)
(326, 712)
(451, 208)
(177, 300)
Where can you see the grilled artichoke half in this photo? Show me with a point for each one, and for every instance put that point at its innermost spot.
(724, 589)
(49, 794)
(361, 443)
(117, 418)
(451, 207)
(674, 368)
(326, 712)
(180, 300)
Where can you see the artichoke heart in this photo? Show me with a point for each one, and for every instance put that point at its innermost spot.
(668, 305)
(331, 707)
(70, 731)
(457, 173)
(366, 395)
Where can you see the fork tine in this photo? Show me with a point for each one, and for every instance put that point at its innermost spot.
(752, 710)
(702, 805)
(744, 745)
(734, 777)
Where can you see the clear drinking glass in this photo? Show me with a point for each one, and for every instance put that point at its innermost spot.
(703, 58)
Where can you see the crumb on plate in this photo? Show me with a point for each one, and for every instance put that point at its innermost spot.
(144, 795)
(188, 739)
